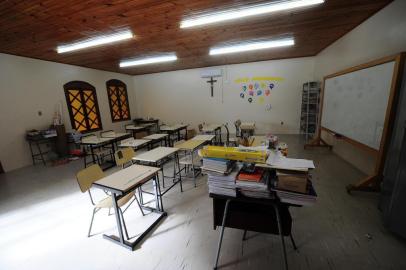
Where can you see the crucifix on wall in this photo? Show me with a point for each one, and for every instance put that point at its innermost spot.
(212, 84)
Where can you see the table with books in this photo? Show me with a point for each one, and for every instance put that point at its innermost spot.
(253, 191)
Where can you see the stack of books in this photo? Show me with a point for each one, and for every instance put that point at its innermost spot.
(218, 165)
(294, 187)
(306, 199)
(254, 183)
(221, 174)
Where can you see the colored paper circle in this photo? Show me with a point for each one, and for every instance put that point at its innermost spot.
(250, 100)
(271, 85)
(259, 92)
(242, 95)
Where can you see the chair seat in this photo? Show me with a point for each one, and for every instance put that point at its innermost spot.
(108, 202)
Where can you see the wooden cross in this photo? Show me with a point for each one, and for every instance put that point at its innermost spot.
(212, 84)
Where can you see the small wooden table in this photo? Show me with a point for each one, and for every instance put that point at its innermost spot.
(158, 138)
(158, 157)
(190, 147)
(135, 129)
(204, 137)
(94, 142)
(122, 183)
(134, 143)
(177, 128)
(213, 129)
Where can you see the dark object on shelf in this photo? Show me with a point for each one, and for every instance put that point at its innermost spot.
(1, 168)
(61, 142)
(310, 109)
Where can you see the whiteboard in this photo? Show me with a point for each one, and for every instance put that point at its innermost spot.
(354, 104)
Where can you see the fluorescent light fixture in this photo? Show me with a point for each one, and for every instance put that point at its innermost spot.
(251, 46)
(232, 14)
(148, 60)
(92, 42)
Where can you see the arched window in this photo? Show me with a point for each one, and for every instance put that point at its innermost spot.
(118, 100)
(83, 108)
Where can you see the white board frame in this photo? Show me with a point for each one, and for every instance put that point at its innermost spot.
(372, 181)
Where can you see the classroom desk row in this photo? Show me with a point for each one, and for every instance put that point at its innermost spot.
(146, 168)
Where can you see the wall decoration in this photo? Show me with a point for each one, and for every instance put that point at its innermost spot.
(258, 89)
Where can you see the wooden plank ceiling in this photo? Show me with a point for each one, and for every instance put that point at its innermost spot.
(34, 28)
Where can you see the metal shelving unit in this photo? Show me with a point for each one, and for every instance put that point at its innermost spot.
(310, 109)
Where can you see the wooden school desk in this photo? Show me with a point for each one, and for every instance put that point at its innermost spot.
(96, 142)
(158, 138)
(213, 129)
(174, 129)
(154, 122)
(134, 143)
(122, 183)
(205, 137)
(116, 136)
(158, 157)
(191, 159)
(135, 129)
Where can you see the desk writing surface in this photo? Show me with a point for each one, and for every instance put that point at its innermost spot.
(156, 154)
(132, 127)
(190, 144)
(115, 135)
(95, 140)
(210, 127)
(127, 178)
(156, 136)
(180, 126)
(206, 138)
(133, 142)
(147, 125)
(168, 128)
(247, 125)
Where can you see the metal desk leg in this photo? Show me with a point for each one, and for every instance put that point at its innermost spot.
(118, 221)
(179, 171)
(157, 189)
(193, 168)
(278, 218)
(221, 233)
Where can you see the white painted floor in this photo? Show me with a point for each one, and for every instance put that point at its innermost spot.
(44, 220)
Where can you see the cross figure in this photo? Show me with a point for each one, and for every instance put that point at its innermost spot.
(212, 84)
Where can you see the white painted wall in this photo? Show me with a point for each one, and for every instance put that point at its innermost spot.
(30, 85)
(182, 96)
(381, 35)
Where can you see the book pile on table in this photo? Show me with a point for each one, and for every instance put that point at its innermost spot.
(254, 183)
(295, 187)
(221, 176)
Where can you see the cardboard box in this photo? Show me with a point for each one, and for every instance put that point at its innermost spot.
(296, 183)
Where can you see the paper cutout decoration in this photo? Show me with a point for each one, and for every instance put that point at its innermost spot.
(263, 85)
(244, 88)
(242, 95)
(261, 100)
(250, 86)
(259, 92)
(267, 92)
(251, 93)
(271, 86)
(268, 107)
(256, 85)
(250, 100)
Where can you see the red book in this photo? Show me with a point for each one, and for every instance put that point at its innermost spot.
(256, 176)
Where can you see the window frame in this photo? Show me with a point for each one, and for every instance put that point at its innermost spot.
(117, 83)
(82, 86)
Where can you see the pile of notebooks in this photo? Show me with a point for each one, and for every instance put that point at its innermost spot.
(221, 174)
(294, 187)
(254, 182)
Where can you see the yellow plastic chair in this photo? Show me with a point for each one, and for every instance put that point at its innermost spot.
(86, 178)
(124, 156)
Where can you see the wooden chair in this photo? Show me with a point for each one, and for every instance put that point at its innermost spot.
(124, 157)
(86, 178)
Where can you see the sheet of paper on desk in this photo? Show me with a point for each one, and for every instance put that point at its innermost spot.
(277, 160)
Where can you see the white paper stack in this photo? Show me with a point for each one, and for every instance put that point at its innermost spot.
(278, 161)
(223, 184)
